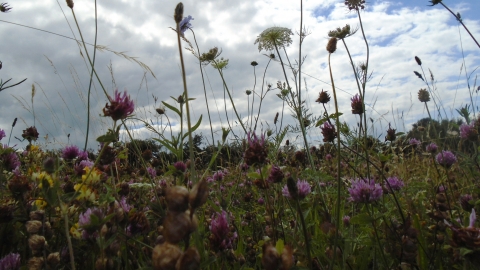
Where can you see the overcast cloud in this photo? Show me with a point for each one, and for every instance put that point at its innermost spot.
(396, 31)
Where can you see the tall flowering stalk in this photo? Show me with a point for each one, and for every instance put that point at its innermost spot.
(182, 25)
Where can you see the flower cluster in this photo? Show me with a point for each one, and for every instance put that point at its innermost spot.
(10, 262)
(328, 132)
(469, 132)
(394, 184)
(299, 190)
(256, 152)
(185, 24)
(2, 134)
(365, 191)
(357, 105)
(432, 148)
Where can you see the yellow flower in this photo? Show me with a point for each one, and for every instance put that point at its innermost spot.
(40, 203)
(39, 177)
(94, 176)
(74, 232)
(85, 192)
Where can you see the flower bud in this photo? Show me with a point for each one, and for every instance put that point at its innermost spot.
(178, 15)
(332, 45)
(70, 3)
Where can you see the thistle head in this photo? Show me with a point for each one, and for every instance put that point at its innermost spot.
(423, 95)
(357, 105)
(323, 97)
(274, 37)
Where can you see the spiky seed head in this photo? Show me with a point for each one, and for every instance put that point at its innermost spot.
(423, 95)
(355, 4)
(178, 15)
(417, 59)
(341, 33)
(70, 3)
(332, 45)
(323, 97)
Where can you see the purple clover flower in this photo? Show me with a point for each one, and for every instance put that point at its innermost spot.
(328, 132)
(219, 175)
(2, 134)
(365, 191)
(10, 262)
(120, 107)
(276, 175)
(432, 148)
(222, 238)
(303, 188)
(346, 221)
(152, 172)
(185, 24)
(394, 184)
(180, 166)
(80, 166)
(124, 205)
(468, 132)
(414, 142)
(446, 158)
(11, 161)
(70, 152)
(89, 230)
(356, 103)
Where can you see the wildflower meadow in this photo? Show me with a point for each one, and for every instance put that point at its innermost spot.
(250, 198)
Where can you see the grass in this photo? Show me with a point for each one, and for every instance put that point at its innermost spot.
(250, 200)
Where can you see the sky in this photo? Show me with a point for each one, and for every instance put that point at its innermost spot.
(56, 65)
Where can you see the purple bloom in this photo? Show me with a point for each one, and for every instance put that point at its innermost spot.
(394, 183)
(10, 262)
(80, 166)
(89, 228)
(180, 166)
(357, 106)
(365, 191)
(446, 158)
(185, 24)
(261, 201)
(473, 218)
(82, 155)
(222, 238)
(414, 142)
(152, 172)
(11, 161)
(120, 107)
(432, 148)
(219, 175)
(2, 134)
(328, 132)
(125, 206)
(276, 175)
(303, 188)
(328, 157)
(256, 152)
(70, 152)
(346, 221)
(468, 132)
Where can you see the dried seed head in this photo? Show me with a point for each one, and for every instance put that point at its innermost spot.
(35, 263)
(190, 259)
(423, 95)
(178, 15)
(254, 63)
(160, 111)
(177, 226)
(199, 194)
(323, 97)
(37, 215)
(165, 256)
(417, 59)
(33, 226)
(53, 260)
(70, 3)
(270, 257)
(332, 45)
(177, 198)
(275, 119)
(391, 135)
(36, 243)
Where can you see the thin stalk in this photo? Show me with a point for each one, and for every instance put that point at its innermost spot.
(91, 77)
(339, 181)
(67, 234)
(305, 234)
(204, 88)
(261, 95)
(231, 99)
(460, 21)
(253, 91)
(187, 103)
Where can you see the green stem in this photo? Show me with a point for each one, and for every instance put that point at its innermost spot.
(459, 20)
(305, 233)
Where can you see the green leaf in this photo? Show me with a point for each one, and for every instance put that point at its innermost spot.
(321, 121)
(172, 108)
(194, 127)
(361, 219)
(279, 246)
(253, 175)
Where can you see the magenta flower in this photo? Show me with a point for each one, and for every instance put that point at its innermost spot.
(394, 184)
(414, 142)
(80, 166)
(152, 172)
(180, 166)
(88, 226)
(468, 132)
(120, 107)
(256, 152)
(446, 158)
(357, 106)
(219, 175)
(365, 191)
(11, 161)
(328, 132)
(10, 262)
(70, 152)
(222, 237)
(2, 134)
(432, 148)
(276, 175)
(346, 221)
(303, 189)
